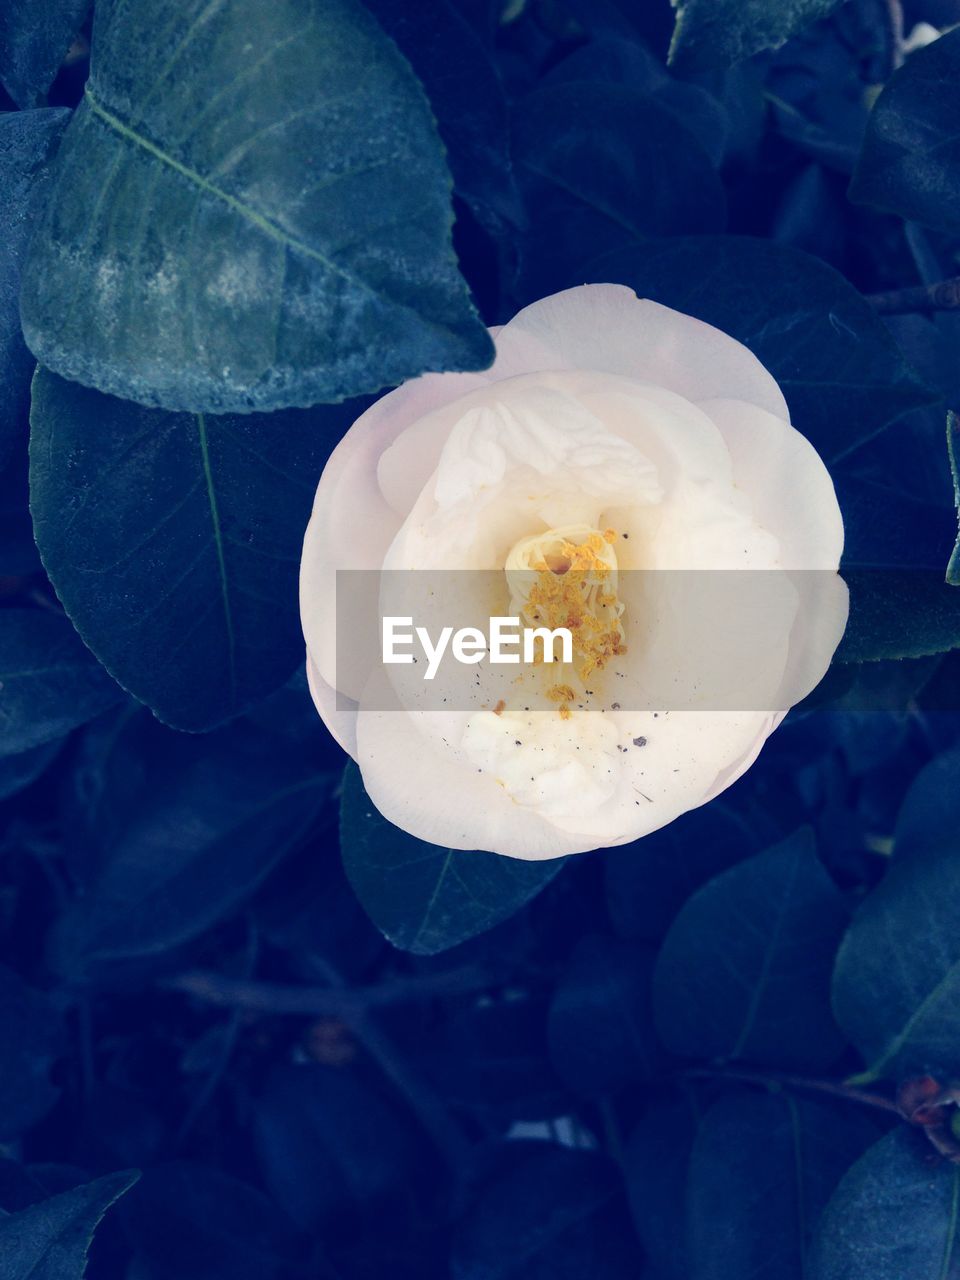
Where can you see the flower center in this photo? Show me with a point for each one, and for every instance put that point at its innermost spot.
(567, 577)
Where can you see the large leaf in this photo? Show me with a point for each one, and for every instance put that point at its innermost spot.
(177, 832)
(27, 141)
(35, 36)
(174, 541)
(840, 370)
(761, 1173)
(896, 987)
(423, 897)
(49, 1240)
(584, 150)
(893, 1216)
(32, 1040)
(467, 96)
(744, 971)
(49, 681)
(899, 530)
(711, 33)
(899, 613)
(549, 1213)
(241, 225)
(647, 884)
(910, 162)
(655, 1164)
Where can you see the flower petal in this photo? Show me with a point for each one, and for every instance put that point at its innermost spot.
(788, 486)
(606, 327)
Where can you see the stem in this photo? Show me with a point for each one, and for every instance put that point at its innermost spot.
(942, 296)
(836, 1089)
(445, 1133)
(893, 14)
(327, 1001)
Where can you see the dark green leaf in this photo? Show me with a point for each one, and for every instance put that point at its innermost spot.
(32, 1040)
(550, 1214)
(910, 162)
(647, 883)
(953, 450)
(601, 1021)
(49, 1240)
(710, 33)
(180, 831)
(174, 541)
(27, 141)
(49, 681)
(209, 247)
(761, 1173)
(896, 985)
(467, 96)
(744, 971)
(839, 368)
(893, 1216)
(423, 897)
(35, 36)
(584, 150)
(899, 613)
(655, 1169)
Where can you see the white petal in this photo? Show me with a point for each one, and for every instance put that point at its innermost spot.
(424, 790)
(606, 327)
(340, 721)
(787, 485)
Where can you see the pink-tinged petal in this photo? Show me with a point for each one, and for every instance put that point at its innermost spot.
(353, 524)
(606, 327)
(341, 723)
(430, 793)
(785, 481)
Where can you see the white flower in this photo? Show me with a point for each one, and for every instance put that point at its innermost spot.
(622, 435)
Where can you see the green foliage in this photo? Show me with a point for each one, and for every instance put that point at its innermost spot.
(751, 952)
(49, 682)
(49, 1240)
(207, 249)
(910, 162)
(710, 33)
(762, 1170)
(893, 1215)
(34, 38)
(173, 541)
(28, 139)
(241, 802)
(425, 898)
(897, 979)
(583, 151)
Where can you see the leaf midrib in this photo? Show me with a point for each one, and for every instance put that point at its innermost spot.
(221, 558)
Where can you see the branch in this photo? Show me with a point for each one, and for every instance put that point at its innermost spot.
(334, 1002)
(835, 1088)
(942, 296)
(893, 13)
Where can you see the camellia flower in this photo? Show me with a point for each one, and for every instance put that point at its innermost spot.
(624, 469)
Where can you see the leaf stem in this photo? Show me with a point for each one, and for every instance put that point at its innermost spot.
(944, 295)
(835, 1088)
(334, 1001)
